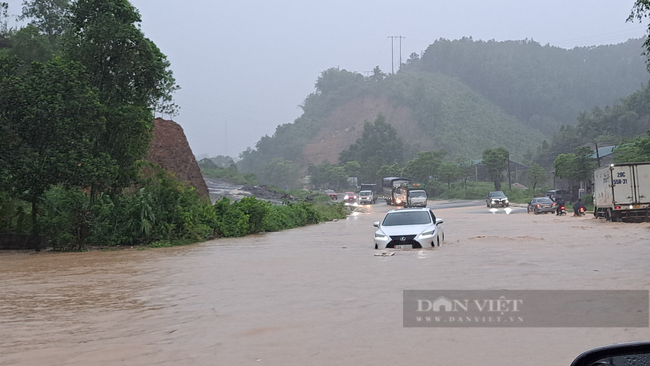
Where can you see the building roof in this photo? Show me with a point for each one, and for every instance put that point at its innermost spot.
(604, 151)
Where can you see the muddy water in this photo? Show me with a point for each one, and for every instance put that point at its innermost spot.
(312, 296)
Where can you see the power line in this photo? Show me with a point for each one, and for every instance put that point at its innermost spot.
(392, 52)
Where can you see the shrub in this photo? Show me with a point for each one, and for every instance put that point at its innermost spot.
(66, 218)
(231, 221)
(256, 210)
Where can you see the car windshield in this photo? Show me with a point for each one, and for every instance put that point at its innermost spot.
(497, 194)
(407, 218)
(543, 200)
(418, 194)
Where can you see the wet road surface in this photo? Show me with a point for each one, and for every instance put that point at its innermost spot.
(314, 295)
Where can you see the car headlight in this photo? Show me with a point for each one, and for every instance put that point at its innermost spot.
(380, 236)
(427, 234)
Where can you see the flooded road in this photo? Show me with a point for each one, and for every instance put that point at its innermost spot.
(314, 295)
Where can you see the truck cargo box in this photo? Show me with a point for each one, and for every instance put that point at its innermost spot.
(622, 191)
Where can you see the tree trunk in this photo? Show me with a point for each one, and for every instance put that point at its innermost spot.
(35, 228)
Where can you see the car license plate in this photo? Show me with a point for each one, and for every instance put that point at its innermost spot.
(404, 246)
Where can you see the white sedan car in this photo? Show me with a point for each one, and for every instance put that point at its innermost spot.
(409, 228)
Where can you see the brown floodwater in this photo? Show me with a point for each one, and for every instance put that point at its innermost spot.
(313, 296)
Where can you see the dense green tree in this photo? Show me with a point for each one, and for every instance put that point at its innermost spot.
(448, 172)
(223, 161)
(576, 166)
(326, 175)
(466, 170)
(52, 17)
(378, 141)
(536, 175)
(352, 168)
(281, 173)
(564, 165)
(393, 170)
(424, 167)
(542, 85)
(334, 79)
(4, 15)
(640, 11)
(130, 73)
(50, 120)
(28, 44)
(207, 163)
(633, 150)
(496, 161)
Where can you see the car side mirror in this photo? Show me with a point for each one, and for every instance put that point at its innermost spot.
(636, 353)
(376, 224)
(439, 221)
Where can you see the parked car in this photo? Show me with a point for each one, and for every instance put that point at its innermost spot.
(497, 198)
(541, 205)
(554, 194)
(367, 197)
(332, 194)
(409, 228)
(350, 197)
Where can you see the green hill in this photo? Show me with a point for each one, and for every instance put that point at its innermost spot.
(461, 96)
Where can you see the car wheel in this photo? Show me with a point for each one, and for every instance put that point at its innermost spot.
(438, 243)
(376, 247)
(536, 212)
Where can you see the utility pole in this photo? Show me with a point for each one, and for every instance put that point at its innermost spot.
(392, 53)
(509, 180)
(226, 137)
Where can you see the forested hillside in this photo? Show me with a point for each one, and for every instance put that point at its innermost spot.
(462, 96)
(543, 86)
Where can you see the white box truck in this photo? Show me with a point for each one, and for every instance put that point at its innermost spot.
(622, 191)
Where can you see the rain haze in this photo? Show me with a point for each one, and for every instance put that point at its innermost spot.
(245, 67)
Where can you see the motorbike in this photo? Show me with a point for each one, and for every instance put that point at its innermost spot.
(561, 210)
(581, 211)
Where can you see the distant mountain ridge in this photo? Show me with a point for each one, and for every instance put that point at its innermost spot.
(462, 96)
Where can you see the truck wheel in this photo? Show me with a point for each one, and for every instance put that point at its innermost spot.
(608, 214)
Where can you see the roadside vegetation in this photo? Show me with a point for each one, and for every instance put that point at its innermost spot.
(79, 85)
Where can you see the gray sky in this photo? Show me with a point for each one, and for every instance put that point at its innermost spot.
(245, 66)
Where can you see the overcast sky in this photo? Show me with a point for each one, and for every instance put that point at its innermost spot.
(245, 66)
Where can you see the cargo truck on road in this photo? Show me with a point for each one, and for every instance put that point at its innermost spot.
(622, 192)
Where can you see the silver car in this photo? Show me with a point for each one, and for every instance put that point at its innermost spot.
(409, 228)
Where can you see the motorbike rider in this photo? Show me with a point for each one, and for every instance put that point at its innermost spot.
(577, 205)
(559, 202)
